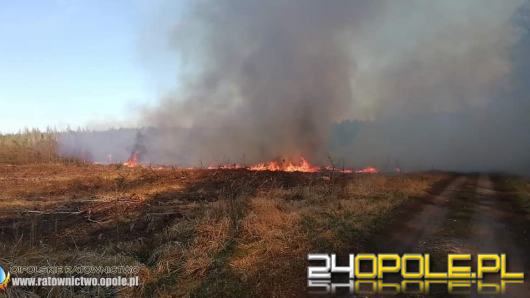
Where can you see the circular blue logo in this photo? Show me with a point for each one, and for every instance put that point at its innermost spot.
(4, 278)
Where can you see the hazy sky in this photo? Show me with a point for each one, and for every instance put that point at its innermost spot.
(69, 62)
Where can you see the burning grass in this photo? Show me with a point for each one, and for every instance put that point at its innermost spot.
(193, 232)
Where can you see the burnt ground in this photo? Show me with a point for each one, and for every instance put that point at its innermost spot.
(472, 213)
(53, 209)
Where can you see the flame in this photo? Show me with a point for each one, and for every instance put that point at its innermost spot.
(302, 165)
(367, 170)
(133, 160)
(286, 166)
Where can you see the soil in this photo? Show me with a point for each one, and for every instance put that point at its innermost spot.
(470, 215)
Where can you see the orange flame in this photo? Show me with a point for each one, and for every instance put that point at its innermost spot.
(367, 170)
(132, 161)
(302, 165)
(286, 166)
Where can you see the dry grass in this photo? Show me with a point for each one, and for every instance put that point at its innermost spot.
(210, 239)
(192, 233)
(520, 188)
(283, 225)
(270, 244)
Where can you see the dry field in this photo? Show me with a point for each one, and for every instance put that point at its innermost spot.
(193, 232)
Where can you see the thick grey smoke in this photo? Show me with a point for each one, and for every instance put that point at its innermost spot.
(436, 83)
(267, 80)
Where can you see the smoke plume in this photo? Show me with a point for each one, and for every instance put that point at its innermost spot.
(427, 84)
(267, 79)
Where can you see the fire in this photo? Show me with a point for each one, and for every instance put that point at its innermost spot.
(302, 165)
(133, 160)
(286, 166)
(367, 170)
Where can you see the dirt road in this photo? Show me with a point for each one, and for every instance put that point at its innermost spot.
(470, 215)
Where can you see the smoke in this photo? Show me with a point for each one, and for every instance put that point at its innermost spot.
(264, 79)
(425, 84)
(453, 98)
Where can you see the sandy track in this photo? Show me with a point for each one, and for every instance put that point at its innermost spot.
(467, 216)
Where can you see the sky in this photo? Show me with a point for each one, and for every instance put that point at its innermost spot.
(74, 63)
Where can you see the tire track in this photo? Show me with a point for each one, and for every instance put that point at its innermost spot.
(412, 234)
(469, 216)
